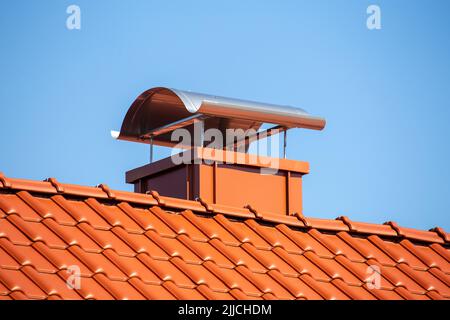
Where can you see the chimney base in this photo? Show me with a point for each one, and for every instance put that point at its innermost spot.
(227, 178)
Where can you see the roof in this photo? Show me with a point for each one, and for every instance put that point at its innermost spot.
(138, 246)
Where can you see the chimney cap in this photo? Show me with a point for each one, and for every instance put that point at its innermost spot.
(159, 111)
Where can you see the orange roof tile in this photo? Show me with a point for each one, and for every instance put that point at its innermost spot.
(136, 246)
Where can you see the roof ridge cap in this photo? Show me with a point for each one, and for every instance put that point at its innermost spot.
(102, 191)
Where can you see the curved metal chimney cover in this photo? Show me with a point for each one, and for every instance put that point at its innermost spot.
(159, 107)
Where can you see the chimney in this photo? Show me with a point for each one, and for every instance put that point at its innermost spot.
(215, 166)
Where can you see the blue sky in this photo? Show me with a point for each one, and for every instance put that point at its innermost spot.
(384, 154)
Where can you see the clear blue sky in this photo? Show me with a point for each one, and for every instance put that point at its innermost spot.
(384, 154)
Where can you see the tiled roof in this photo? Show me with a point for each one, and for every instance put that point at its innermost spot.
(138, 246)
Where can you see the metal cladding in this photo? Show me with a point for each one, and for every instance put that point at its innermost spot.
(159, 111)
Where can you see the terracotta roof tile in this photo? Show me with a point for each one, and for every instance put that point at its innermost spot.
(96, 240)
(305, 241)
(16, 280)
(400, 279)
(26, 256)
(136, 246)
(260, 282)
(18, 295)
(177, 292)
(133, 268)
(238, 256)
(179, 224)
(429, 257)
(326, 224)
(206, 252)
(12, 204)
(137, 198)
(277, 238)
(84, 192)
(213, 295)
(211, 228)
(270, 260)
(140, 216)
(368, 228)
(420, 235)
(354, 292)
(155, 224)
(7, 261)
(181, 204)
(397, 253)
(443, 252)
(228, 210)
(121, 290)
(329, 291)
(36, 231)
(339, 247)
(89, 288)
(358, 269)
(367, 249)
(234, 278)
(114, 216)
(386, 294)
(303, 265)
(72, 236)
(98, 263)
(81, 212)
(242, 232)
(51, 284)
(173, 247)
(62, 259)
(29, 185)
(440, 232)
(426, 280)
(332, 268)
(445, 278)
(199, 274)
(3, 290)
(46, 208)
(300, 289)
(275, 283)
(152, 291)
(140, 243)
(166, 271)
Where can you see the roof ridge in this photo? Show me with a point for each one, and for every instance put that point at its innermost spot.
(342, 223)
